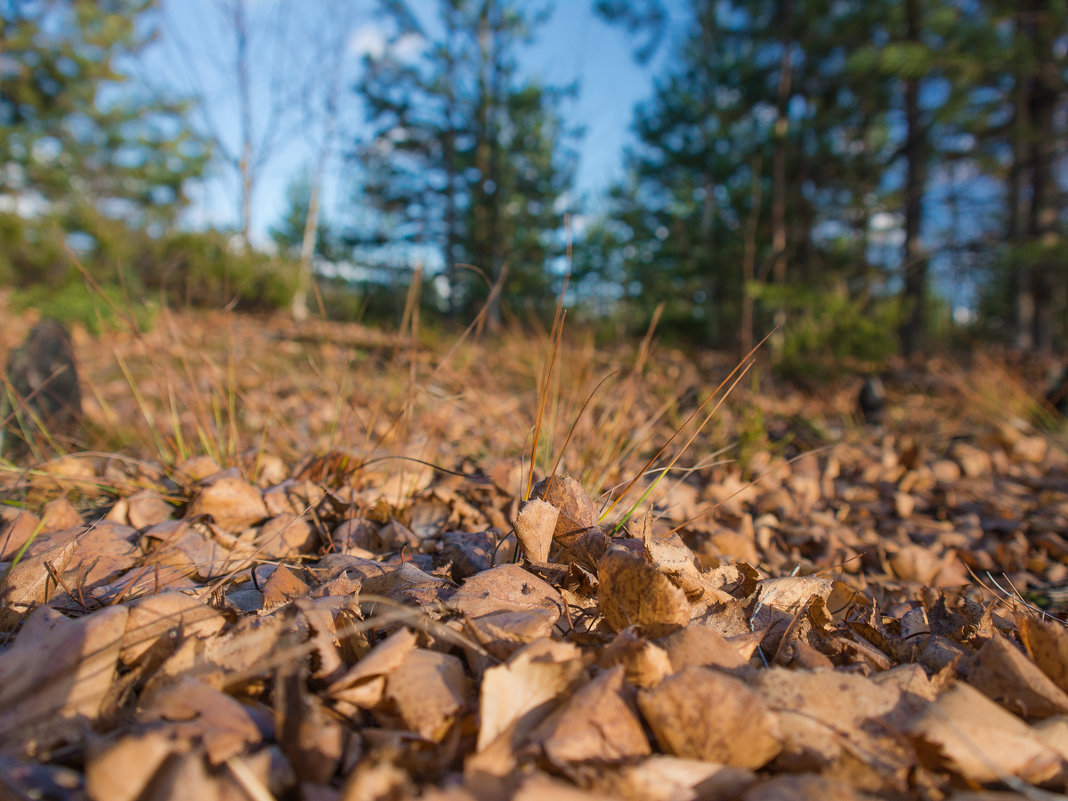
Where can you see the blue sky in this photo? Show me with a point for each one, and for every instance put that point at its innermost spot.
(195, 57)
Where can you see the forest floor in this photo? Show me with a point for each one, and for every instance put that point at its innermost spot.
(282, 562)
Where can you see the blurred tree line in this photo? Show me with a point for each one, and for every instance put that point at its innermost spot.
(849, 169)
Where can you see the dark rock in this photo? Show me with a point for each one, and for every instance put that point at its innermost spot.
(41, 400)
(871, 401)
(1057, 391)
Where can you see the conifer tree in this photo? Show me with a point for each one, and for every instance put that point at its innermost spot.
(81, 151)
(470, 162)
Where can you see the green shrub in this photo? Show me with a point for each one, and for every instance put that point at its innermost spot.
(97, 310)
(827, 329)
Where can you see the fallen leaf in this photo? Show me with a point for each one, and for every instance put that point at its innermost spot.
(312, 739)
(426, 693)
(832, 721)
(805, 787)
(232, 503)
(281, 587)
(285, 536)
(365, 683)
(508, 587)
(577, 511)
(534, 528)
(1004, 673)
(595, 725)
(967, 733)
(59, 513)
(503, 633)
(121, 770)
(700, 713)
(645, 663)
(633, 592)
(698, 645)
(57, 674)
(174, 615)
(520, 693)
(203, 714)
(668, 778)
(30, 582)
(1047, 644)
(16, 531)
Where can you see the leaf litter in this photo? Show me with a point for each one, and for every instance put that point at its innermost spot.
(845, 611)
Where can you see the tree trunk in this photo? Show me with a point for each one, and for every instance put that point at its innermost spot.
(914, 266)
(749, 260)
(1042, 224)
(778, 163)
(493, 172)
(245, 98)
(1017, 214)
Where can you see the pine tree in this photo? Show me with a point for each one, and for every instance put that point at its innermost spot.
(756, 160)
(469, 163)
(80, 150)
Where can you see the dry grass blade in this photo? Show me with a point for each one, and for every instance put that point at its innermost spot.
(743, 363)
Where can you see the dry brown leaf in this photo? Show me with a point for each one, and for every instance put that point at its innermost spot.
(911, 678)
(281, 587)
(508, 587)
(645, 663)
(788, 596)
(59, 513)
(358, 534)
(312, 739)
(967, 733)
(596, 724)
(196, 468)
(262, 775)
(669, 778)
(232, 503)
(183, 546)
(16, 531)
(146, 508)
(105, 549)
(503, 633)
(633, 592)
(577, 511)
(57, 673)
(836, 720)
(407, 584)
(804, 787)
(538, 787)
(1054, 733)
(183, 778)
(200, 713)
(1047, 644)
(120, 770)
(534, 528)
(318, 616)
(170, 614)
(31, 581)
(243, 653)
(699, 645)
(377, 778)
(1004, 673)
(700, 713)
(285, 536)
(672, 557)
(425, 694)
(519, 694)
(364, 684)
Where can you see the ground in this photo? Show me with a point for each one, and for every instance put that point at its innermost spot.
(313, 563)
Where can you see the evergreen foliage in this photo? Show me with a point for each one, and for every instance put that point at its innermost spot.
(470, 162)
(84, 157)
